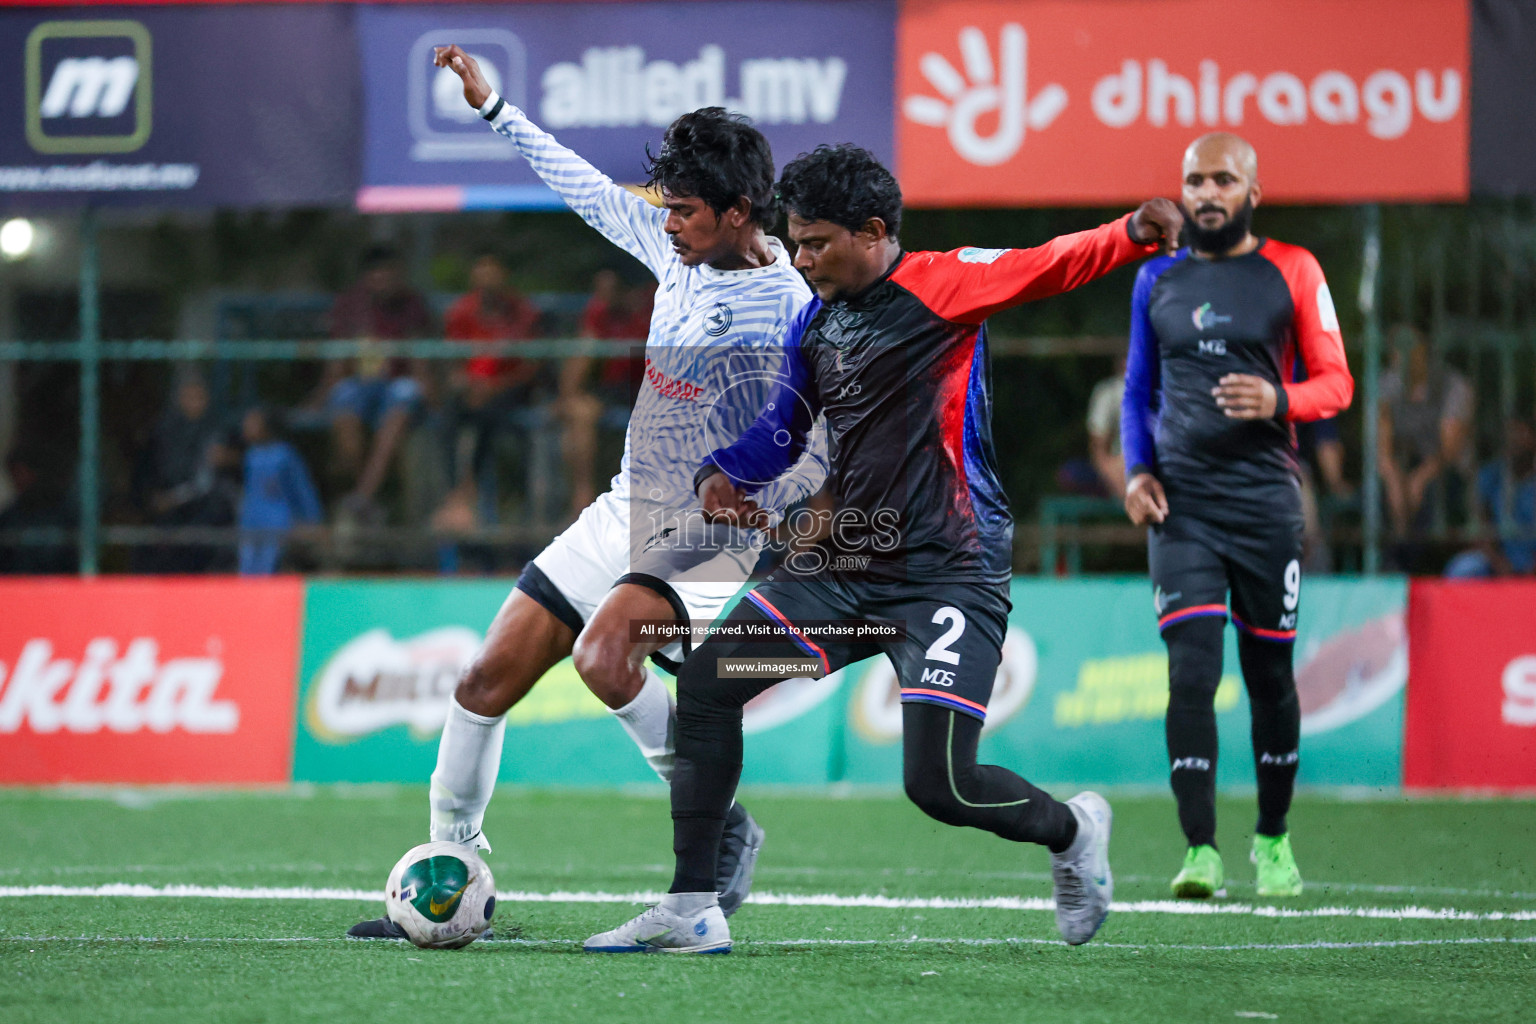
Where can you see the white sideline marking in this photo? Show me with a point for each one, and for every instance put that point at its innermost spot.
(912, 940)
(1180, 908)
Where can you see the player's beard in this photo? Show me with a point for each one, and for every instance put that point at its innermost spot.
(1219, 240)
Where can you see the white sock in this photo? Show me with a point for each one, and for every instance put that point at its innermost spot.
(651, 721)
(690, 904)
(468, 758)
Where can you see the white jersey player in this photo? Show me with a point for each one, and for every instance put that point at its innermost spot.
(727, 292)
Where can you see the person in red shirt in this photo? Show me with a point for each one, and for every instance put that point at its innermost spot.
(487, 387)
(374, 391)
(613, 313)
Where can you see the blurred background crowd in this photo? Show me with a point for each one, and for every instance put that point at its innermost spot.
(462, 457)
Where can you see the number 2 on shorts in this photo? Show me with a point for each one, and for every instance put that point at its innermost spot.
(939, 649)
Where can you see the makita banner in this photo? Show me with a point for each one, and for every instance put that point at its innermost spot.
(607, 79)
(1472, 700)
(1006, 103)
(147, 680)
(228, 106)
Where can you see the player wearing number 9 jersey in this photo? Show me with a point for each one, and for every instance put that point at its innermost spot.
(1210, 454)
(892, 352)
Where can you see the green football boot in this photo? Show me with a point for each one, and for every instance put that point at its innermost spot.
(1277, 874)
(1202, 876)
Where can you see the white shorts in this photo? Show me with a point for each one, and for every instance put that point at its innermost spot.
(698, 566)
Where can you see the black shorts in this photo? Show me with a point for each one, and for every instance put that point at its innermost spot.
(1196, 562)
(953, 632)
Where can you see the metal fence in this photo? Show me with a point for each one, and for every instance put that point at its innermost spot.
(1468, 282)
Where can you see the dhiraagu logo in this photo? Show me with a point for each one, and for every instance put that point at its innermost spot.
(89, 87)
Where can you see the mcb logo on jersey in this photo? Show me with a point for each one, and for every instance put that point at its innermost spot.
(88, 87)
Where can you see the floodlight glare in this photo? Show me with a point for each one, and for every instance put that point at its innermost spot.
(16, 238)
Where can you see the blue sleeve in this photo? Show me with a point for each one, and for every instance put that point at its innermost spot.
(300, 489)
(777, 439)
(1138, 406)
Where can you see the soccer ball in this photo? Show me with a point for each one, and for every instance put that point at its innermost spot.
(441, 895)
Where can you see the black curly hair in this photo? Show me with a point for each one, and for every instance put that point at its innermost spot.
(719, 157)
(843, 184)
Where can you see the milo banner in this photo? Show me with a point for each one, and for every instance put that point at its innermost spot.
(1079, 697)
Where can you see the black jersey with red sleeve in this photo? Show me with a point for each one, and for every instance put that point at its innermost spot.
(900, 371)
(1194, 320)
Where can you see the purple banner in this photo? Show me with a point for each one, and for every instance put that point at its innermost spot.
(228, 106)
(607, 79)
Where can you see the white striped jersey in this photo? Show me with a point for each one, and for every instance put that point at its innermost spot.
(715, 349)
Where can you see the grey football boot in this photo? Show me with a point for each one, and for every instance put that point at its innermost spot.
(739, 847)
(1083, 883)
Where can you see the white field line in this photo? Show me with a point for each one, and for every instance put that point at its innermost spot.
(1169, 907)
(912, 940)
(785, 873)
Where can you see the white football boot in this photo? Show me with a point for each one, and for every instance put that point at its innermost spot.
(683, 922)
(1080, 873)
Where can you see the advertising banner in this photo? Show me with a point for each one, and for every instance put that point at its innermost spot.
(1472, 704)
(1083, 688)
(203, 106)
(175, 680)
(380, 662)
(1005, 103)
(606, 79)
(1079, 697)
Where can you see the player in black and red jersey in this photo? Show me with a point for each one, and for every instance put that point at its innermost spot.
(892, 351)
(1210, 456)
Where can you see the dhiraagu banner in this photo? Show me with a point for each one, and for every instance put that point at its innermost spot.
(1079, 698)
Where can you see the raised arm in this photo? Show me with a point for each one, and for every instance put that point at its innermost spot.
(969, 285)
(624, 218)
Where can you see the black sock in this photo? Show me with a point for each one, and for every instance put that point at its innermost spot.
(1194, 672)
(942, 777)
(1276, 731)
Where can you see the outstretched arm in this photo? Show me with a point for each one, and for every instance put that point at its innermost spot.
(624, 218)
(969, 285)
(784, 435)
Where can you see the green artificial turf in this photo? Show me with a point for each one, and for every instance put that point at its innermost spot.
(120, 958)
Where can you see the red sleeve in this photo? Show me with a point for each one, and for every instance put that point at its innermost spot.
(969, 285)
(1329, 387)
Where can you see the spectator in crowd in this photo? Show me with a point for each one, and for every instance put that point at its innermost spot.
(613, 313)
(1104, 431)
(1425, 426)
(185, 478)
(374, 391)
(488, 388)
(1512, 479)
(40, 500)
(278, 494)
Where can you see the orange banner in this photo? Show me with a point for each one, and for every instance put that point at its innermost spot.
(148, 680)
(1093, 101)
